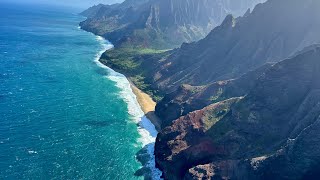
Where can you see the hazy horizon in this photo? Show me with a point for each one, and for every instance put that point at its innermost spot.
(74, 3)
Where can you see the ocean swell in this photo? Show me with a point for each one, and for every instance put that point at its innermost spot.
(146, 129)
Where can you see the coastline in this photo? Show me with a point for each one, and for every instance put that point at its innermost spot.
(145, 101)
(147, 105)
(140, 107)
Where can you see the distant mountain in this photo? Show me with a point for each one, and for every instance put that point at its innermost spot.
(274, 30)
(103, 19)
(161, 24)
(92, 11)
(271, 133)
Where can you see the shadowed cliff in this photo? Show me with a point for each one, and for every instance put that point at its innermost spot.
(272, 132)
(160, 24)
(273, 31)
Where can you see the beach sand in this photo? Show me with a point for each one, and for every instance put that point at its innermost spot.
(147, 105)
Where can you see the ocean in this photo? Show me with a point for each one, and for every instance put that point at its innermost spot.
(63, 115)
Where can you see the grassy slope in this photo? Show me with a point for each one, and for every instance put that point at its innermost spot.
(130, 61)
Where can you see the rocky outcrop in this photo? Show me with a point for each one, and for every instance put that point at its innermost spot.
(273, 31)
(272, 132)
(190, 98)
(185, 143)
(161, 24)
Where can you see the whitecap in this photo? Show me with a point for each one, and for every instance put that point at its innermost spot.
(146, 129)
(33, 111)
(32, 152)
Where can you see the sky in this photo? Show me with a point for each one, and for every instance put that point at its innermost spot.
(75, 3)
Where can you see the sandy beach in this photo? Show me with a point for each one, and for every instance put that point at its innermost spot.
(147, 105)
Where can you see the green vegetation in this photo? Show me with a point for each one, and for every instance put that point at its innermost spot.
(217, 96)
(149, 38)
(214, 115)
(129, 61)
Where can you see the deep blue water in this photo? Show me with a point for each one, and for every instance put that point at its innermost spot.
(61, 115)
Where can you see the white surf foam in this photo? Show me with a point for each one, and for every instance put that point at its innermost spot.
(146, 129)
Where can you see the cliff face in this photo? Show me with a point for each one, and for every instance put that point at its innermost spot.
(233, 111)
(273, 31)
(92, 11)
(190, 98)
(161, 24)
(239, 45)
(272, 132)
(178, 21)
(103, 19)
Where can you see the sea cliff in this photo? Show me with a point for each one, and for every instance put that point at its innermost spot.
(236, 103)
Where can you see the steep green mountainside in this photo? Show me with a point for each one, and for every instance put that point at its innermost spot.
(231, 50)
(272, 132)
(102, 19)
(92, 11)
(273, 31)
(160, 24)
(190, 98)
(141, 45)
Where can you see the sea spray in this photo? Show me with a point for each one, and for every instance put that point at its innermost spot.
(146, 129)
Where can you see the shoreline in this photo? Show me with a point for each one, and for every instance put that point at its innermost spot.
(145, 102)
(147, 105)
(140, 107)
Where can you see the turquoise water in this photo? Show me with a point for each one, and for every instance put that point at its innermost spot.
(61, 115)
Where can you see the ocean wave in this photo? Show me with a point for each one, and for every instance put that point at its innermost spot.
(146, 129)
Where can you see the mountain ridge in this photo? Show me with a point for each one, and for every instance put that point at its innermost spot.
(220, 55)
(161, 24)
(212, 59)
(250, 136)
(240, 103)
